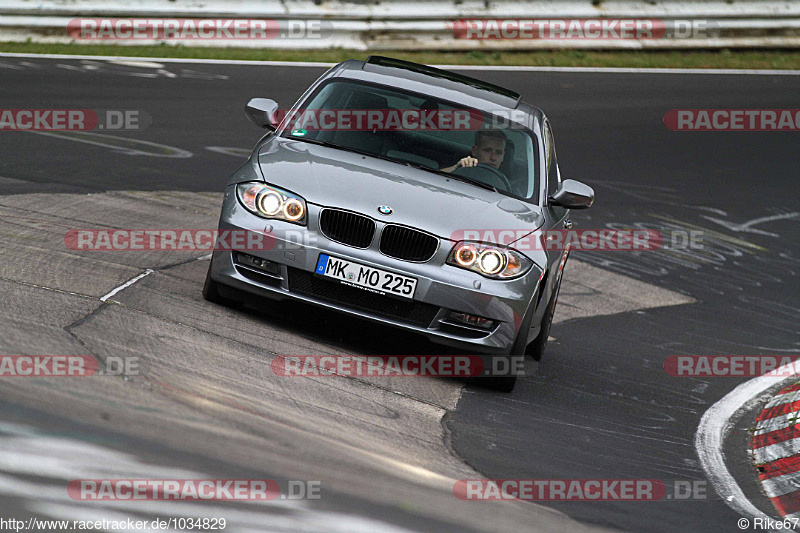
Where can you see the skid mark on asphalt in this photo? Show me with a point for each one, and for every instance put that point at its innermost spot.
(124, 145)
(56, 460)
(747, 227)
(124, 67)
(728, 259)
(227, 150)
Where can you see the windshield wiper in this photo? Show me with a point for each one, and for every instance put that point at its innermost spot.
(348, 149)
(474, 182)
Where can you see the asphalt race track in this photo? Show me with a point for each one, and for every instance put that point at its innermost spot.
(385, 452)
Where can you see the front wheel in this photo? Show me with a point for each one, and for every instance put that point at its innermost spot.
(500, 383)
(211, 289)
(536, 348)
(517, 350)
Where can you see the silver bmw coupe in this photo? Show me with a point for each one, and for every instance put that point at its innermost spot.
(410, 196)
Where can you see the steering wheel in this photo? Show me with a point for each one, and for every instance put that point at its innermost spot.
(485, 174)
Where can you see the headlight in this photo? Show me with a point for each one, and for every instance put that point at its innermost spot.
(270, 202)
(488, 260)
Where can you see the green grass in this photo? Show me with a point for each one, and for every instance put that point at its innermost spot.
(738, 59)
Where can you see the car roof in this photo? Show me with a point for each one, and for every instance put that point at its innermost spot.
(436, 82)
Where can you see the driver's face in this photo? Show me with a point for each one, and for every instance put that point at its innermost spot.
(490, 152)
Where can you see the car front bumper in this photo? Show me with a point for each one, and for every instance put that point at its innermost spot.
(290, 256)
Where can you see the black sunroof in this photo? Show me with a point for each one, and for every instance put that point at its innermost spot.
(439, 73)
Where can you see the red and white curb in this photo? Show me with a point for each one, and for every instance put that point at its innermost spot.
(717, 422)
(776, 450)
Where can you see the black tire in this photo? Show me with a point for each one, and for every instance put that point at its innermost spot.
(211, 290)
(536, 348)
(507, 383)
(500, 383)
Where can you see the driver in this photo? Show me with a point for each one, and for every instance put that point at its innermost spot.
(489, 149)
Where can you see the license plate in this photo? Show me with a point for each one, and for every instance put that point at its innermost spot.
(366, 277)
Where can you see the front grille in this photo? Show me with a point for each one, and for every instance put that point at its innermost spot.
(408, 311)
(347, 228)
(408, 244)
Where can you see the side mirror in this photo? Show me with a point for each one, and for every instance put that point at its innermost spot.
(261, 111)
(573, 195)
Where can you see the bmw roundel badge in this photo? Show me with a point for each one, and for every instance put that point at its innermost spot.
(384, 210)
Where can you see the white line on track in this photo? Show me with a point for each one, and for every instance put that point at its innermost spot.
(140, 276)
(126, 284)
(599, 70)
(115, 142)
(715, 425)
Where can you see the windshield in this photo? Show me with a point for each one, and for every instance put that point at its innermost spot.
(417, 130)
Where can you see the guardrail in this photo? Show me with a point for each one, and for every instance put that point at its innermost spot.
(433, 25)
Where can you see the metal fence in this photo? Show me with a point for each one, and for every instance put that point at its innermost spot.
(415, 25)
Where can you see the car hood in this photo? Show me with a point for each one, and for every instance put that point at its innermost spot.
(445, 207)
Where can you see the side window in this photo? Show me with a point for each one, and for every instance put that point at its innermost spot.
(553, 176)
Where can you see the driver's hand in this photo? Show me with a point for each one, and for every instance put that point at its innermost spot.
(468, 161)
